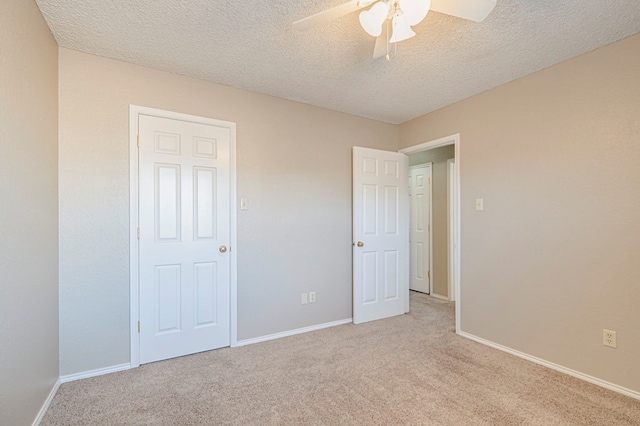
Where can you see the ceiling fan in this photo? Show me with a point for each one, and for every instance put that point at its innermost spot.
(400, 15)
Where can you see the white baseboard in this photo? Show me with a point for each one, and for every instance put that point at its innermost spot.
(47, 403)
(293, 332)
(94, 373)
(560, 368)
(439, 296)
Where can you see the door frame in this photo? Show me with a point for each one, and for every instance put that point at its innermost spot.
(451, 211)
(430, 164)
(425, 146)
(134, 284)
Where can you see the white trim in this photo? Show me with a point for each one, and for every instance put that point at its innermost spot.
(134, 112)
(134, 314)
(293, 332)
(233, 241)
(430, 227)
(47, 403)
(455, 141)
(437, 143)
(551, 365)
(451, 209)
(439, 296)
(93, 373)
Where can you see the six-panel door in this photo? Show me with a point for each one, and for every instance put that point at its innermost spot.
(380, 234)
(419, 235)
(184, 233)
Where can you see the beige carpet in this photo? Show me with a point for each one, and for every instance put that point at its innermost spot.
(407, 370)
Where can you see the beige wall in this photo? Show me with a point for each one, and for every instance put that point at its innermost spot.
(439, 210)
(294, 167)
(553, 258)
(28, 212)
(546, 266)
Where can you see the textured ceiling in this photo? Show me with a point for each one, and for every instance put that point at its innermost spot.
(252, 45)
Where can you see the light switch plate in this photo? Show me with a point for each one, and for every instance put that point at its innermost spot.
(244, 205)
(479, 204)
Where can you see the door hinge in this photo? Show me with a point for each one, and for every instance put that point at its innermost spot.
(138, 141)
(138, 233)
(138, 326)
(429, 228)
(428, 275)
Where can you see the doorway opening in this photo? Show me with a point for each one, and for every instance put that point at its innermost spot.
(444, 251)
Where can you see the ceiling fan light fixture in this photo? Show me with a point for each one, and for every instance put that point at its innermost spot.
(372, 19)
(414, 10)
(401, 29)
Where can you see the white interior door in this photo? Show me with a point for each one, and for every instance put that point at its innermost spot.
(380, 234)
(184, 265)
(420, 232)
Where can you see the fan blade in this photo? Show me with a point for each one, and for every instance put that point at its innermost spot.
(380, 49)
(329, 14)
(473, 10)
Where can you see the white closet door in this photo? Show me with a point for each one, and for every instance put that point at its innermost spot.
(184, 219)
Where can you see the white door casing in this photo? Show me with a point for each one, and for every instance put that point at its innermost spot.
(380, 234)
(451, 220)
(420, 177)
(186, 231)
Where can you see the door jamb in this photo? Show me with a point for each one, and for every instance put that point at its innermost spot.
(437, 143)
(451, 211)
(134, 112)
(430, 164)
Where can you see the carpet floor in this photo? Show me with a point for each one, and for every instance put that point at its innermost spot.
(407, 370)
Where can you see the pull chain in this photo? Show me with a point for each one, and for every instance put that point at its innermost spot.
(387, 37)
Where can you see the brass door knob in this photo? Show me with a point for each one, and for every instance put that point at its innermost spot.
(223, 249)
(360, 244)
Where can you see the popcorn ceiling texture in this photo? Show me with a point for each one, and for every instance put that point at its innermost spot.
(251, 45)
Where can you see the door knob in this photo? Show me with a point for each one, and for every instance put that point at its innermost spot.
(360, 244)
(223, 249)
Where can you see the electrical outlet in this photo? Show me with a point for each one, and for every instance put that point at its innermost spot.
(304, 298)
(609, 338)
(312, 297)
